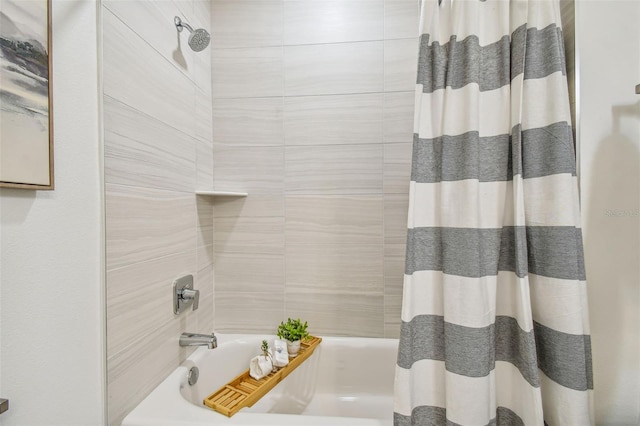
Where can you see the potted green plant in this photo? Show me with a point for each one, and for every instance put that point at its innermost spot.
(293, 331)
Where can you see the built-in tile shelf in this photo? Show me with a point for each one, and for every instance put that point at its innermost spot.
(222, 193)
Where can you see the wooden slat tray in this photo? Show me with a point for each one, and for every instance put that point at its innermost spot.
(244, 390)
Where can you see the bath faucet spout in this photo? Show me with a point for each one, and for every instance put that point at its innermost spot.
(194, 339)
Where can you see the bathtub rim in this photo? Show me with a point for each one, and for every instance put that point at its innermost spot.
(166, 405)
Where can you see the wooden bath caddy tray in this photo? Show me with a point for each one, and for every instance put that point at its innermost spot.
(244, 390)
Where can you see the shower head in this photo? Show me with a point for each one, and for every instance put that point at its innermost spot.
(198, 39)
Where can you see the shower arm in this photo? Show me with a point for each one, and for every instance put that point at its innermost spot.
(182, 25)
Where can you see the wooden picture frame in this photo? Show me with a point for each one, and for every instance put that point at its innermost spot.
(26, 96)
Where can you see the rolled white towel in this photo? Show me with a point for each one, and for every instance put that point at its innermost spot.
(260, 366)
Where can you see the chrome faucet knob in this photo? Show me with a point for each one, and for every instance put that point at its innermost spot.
(194, 295)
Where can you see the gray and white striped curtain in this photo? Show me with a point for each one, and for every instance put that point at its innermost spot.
(495, 327)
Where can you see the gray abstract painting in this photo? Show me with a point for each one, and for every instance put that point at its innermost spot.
(24, 93)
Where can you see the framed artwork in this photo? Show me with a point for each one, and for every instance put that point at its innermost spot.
(26, 114)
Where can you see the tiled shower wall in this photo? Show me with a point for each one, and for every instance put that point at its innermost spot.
(313, 112)
(158, 150)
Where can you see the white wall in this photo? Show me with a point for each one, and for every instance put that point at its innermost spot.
(51, 249)
(609, 56)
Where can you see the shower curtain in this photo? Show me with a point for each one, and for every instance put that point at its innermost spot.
(495, 326)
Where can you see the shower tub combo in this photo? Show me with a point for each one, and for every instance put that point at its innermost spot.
(347, 381)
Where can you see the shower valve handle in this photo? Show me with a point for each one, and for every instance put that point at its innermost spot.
(184, 295)
(188, 294)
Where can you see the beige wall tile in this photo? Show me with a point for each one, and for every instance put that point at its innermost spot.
(187, 11)
(205, 256)
(198, 14)
(249, 272)
(153, 22)
(348, 267)
(139, 298)
(394, 263)
(332, 21)
(347, 143)
(396, 208)
(204, 165)
(201, 12)
(248, 122)
(397, 167)
(249, 235)
(247, 73)
(333, 169)
(395, 240)
(158, 149)
(400, 64)
(338, 313)
(394, 270)
(142, 151)
(205, 283)
(204, 117)
(398, 117)
(395, 248)
(401, 18)
(246, 23)
(336, 220)
(392, 315)
(255, 205)
(153, 358)
(202, 71)
(326, 69)
(249, 312)
(143, 224)
(333, 119)
(206, 316)
(204, 211)
(255, 170)
(143, 79)
(203, 127)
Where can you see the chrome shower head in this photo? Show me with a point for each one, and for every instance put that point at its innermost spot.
(198, 39)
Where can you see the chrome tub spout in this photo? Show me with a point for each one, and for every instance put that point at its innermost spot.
(194, 339)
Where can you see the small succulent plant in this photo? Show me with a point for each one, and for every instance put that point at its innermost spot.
(293, 330)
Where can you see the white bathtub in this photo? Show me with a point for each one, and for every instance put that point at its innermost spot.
(347, 381)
